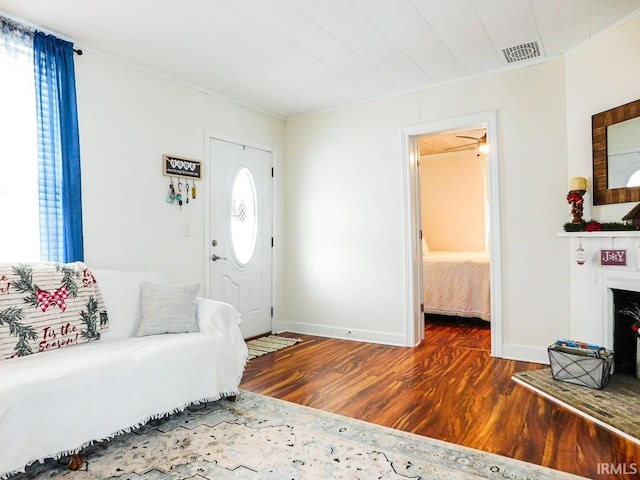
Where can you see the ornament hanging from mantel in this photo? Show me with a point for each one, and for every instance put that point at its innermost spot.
(181, 168)
(581, 255)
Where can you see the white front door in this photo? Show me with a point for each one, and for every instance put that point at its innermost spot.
(240, 232)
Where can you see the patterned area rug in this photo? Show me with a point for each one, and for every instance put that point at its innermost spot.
(272, 343)
(259, 437)
(615, 407)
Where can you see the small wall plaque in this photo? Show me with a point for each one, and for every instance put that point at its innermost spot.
(613, 257)
(181, 167)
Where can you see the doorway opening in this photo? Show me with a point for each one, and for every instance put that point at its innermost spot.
(454, 244)
(455, 235)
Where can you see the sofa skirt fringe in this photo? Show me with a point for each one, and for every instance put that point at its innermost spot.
(129, 429)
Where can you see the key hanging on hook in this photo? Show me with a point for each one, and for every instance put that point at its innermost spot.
(171, 195)
(187, 190)
(179, 195)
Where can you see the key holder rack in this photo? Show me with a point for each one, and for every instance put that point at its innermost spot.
(185, 172)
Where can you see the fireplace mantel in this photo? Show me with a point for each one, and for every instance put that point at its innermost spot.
(591, 284)
(607, 234)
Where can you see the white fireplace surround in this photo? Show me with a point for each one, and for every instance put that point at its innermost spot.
(592, 284)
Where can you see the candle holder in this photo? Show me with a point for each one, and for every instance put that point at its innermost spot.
(575, 198)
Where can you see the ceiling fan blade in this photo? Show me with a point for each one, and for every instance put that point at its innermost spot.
(466, 136)
(460, 146)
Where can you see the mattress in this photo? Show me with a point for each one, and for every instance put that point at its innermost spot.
(457, 284)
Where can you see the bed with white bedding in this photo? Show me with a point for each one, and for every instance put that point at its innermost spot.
(457, 284)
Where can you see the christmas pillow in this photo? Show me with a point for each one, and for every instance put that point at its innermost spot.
(46, 306)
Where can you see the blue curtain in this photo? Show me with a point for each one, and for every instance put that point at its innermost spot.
(58, 150)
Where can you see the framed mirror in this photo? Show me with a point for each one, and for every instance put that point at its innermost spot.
(616, 154)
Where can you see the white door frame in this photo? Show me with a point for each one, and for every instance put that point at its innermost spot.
(211, 135)
(414, 318)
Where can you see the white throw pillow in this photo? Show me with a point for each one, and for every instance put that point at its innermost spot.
(168, 308)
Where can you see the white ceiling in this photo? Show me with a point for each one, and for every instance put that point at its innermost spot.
(291, 57)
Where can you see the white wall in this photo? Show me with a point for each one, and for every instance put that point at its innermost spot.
(345, 250)
(601, 75)
(345, 268)
(452, 187)
(128, 119)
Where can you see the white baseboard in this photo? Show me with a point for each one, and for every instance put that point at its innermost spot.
(341, 333)
(525, 353)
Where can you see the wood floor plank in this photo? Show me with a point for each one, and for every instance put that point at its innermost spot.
(448, 388)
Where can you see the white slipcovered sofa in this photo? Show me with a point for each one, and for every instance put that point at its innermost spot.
(57, 402)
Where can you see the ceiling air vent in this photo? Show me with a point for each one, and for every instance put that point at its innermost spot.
(525, 51)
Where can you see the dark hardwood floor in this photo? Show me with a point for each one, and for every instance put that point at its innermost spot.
(447, 388)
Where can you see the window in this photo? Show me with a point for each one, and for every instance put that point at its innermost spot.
(243, 218)
(19, 225)
(41, 213)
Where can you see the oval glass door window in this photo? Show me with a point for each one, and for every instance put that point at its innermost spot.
(243, 221)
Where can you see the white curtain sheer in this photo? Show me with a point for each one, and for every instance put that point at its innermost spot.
(19, 223)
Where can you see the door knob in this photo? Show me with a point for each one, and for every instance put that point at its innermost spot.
(215, 258)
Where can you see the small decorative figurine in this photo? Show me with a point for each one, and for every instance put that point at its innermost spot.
(577, 189)
(633, 217)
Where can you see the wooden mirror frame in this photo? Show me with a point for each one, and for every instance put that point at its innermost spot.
(599, 123)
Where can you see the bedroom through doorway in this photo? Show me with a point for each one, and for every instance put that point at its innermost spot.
(454, 222)
(453, 229)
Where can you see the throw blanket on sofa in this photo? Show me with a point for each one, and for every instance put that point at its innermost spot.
(44, 306)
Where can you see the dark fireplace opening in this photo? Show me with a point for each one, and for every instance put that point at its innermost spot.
(624, 339)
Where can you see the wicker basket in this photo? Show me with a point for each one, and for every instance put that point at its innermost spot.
(638, 357)
(592, 372)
